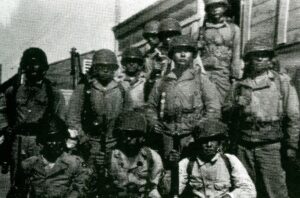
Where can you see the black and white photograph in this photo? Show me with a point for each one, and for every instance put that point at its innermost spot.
(149, 98)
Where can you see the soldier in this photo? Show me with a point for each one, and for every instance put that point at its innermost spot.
(177, 101)
(133, 78)
(53, 173)
(28, 104)
(94, 108)
(267, 108)
(219, 44)
(150, 34)
(135, 170)
(161, 63)
(209, 172)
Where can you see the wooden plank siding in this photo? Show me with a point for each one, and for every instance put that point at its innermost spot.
(263, 19)
(293, 30)
(129, 32)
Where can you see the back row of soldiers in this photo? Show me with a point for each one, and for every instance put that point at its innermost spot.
(178, 100)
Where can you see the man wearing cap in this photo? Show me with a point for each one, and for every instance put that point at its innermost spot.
(94, 107)
(134, 169)
(177, 101)
(133, 78)
(219, 45)
(53, 173)
(28, 103)
(264, 109)
(209, 172)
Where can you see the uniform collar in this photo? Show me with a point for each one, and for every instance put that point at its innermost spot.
(212, 161)
(59, 164)
(260, 82)
(216, 26)
(96, 84)
(188, 74)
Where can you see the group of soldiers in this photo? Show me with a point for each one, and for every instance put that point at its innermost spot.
(183, 120)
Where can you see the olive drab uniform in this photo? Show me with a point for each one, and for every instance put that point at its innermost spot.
(69, 177)
(135, 88)
(220, 53)
(137, 179)
(180, 103)
(271, 117)
(98, 102)
(27, 106)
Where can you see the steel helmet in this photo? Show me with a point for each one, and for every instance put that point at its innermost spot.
(182, 41)
(210, 129)
(151, 28)
(105, 57)
(169, 25)
(131, 121)
(210, 2)
(33, 56)
(258, 44)
(132, 53)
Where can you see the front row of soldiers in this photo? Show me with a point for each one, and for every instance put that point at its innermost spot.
(132, 169)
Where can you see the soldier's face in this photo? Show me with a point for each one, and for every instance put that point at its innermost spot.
(104, 73)
(152, 39)
(53, 149)
(167, 37)
(216, 11)
(132, 67)
(209, 148)
(261, 61)
(132, 140)
(34, 72)
(183, 58)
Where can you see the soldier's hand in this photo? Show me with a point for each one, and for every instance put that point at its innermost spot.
(243, 101)
(100, 159)
(1, 139)
(154, 194)
(71, 143)
(174, 156)
(291, 153)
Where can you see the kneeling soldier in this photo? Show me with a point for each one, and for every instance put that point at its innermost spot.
(53, 173)
(134, 169)
(211, 173)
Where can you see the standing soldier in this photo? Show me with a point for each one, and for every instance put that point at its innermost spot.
(133, 78)
(161, 64)
(94, 108)
(135, 170)
(28, 104)
(210, 172)
(180, 99)
(53, 172)
(150, 34)
(267, 109)
(219, 44)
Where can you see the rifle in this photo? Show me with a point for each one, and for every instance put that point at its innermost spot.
(102, 192)
(15, 190)
(176, 146)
